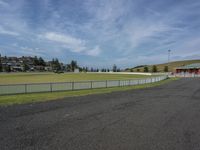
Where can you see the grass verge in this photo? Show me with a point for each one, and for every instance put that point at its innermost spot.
(25, 78)
(40, 97)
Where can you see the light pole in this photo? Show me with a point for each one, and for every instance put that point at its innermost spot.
(169, 51)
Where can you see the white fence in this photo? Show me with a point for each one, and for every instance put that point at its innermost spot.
(70, 86)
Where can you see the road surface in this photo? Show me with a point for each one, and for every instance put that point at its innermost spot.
(166, 117)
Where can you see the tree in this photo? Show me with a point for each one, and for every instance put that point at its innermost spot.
(166, 69)
(146, 69)
(1, 66)
(74, 65)
(25, 66)
(92, 70)
(41, 62)
(7, 68)
(154, 68)
(114, 68)
(56, 65)
(35, 61)
(86, 69)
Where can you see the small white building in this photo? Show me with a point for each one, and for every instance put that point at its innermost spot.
(76, 71)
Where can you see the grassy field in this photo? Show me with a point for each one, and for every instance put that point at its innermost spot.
(172, 65)
(40, 97)
(15, 78)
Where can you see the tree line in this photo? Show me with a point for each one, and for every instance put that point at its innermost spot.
(153, 69)
(54, 64)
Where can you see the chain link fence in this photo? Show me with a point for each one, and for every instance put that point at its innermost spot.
(70, 86)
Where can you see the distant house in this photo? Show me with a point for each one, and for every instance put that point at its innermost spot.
(39, 68)
(48, 68)
(76, 71)
(16, 68)
(192, 69)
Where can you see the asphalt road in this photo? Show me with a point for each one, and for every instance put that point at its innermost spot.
(166, 117)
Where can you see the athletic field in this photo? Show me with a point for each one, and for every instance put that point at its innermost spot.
(18, 78)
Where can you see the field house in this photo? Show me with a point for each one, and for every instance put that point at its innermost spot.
(191, 69)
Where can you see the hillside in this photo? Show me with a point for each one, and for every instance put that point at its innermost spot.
(160, 67)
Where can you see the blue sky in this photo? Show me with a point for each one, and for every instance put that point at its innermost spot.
(101, 33)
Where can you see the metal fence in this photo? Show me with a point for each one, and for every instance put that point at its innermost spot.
(70, 86)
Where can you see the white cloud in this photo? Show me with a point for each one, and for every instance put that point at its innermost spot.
(73, 44)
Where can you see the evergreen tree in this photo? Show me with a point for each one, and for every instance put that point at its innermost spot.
(41, 62)
(166, 69)
(114, 68)
(92, 70)
(25, 67)
(1, 66)
(56, 65)
(154, 69)
(35, 61)
(74, 65)
(8, 68)
(146, 69)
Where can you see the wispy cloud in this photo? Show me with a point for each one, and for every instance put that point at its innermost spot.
(102, 32)
(71, 43)
(74, 44)
(94, 52)
(7, 32)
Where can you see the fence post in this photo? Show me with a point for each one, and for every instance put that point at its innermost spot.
(91, 85)
(25, 88)
(72, 86)
(50, 87)
(119, 83)
(129, 83)
(106, 83)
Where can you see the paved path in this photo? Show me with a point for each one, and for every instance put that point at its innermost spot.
(160, 118)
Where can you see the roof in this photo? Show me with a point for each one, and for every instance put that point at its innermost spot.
(191, 66)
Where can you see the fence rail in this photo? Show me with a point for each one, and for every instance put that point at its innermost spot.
(70, 86)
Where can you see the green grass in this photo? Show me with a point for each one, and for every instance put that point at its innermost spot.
(15, 78)
(40, 97)
(172, 65)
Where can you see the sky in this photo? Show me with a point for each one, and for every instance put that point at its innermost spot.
(100, 33)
